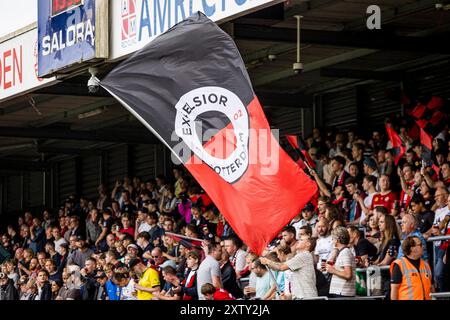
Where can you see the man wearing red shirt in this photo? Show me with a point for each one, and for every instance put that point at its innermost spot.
(211, 293)
(386, 197)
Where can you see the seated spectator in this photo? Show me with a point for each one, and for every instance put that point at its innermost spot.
(43, 286)
(53, 274)
(72, 284)
(7, 289)
(212, 293)
(424, 217)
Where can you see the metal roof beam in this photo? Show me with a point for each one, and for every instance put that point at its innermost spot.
(373, 39)
(361, 74)
(21, 165)
(113, 135)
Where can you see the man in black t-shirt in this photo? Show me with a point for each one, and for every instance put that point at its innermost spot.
(364, 250)
(424, 217)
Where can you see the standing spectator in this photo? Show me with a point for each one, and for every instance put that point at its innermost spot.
(302, 268)
(93, 229)
(106, 225)
(57, 239)
(354, 206)
(82, 252)
(411, 275)
(343, 280)
(425, 218)
(237, 256)
(37, 236)
(363, 250)
(409, 227)
(122, 278)
(289, 237)
(369, 183)
(209, 270)
(126, 225)
(148, 280)
(228, 276)
(141, 222)
(264, 281)
(103, 201)
(171, 289)
(441, 212)
(324, 245)
(386, 197)
(189, 284)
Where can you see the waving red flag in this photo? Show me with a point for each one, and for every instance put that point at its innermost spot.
(190, 82)
(397, 144)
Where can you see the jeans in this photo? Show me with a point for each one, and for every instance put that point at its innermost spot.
(439, 272)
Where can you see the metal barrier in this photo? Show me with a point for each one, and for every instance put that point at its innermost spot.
(369, 269)
(438, 295)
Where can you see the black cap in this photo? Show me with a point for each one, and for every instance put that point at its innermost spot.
(81, 237)
(308, 207)
(100, 274)
(133, 262)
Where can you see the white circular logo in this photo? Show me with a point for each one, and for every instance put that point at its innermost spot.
(206, 99)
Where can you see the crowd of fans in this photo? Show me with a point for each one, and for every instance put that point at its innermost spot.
(121, 246)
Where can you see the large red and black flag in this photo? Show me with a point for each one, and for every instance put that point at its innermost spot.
(192, 80)
(299, 147)
(397, 144)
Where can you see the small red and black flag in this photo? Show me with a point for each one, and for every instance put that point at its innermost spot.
(299, 146)
(426, 142)
(397, 144)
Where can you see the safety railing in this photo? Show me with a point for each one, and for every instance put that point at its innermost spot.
(369, 270)
(440, 295)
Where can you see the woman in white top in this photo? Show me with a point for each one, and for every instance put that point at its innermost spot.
(343, 280)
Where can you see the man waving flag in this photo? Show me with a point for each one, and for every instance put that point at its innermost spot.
(190, 87)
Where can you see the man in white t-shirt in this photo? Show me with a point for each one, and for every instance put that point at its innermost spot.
(324, 245)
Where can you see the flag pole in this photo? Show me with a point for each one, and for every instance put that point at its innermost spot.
(182, 237)
(277, 288)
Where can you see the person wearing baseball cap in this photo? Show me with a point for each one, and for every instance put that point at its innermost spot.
(148, 279)
(82, 252)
